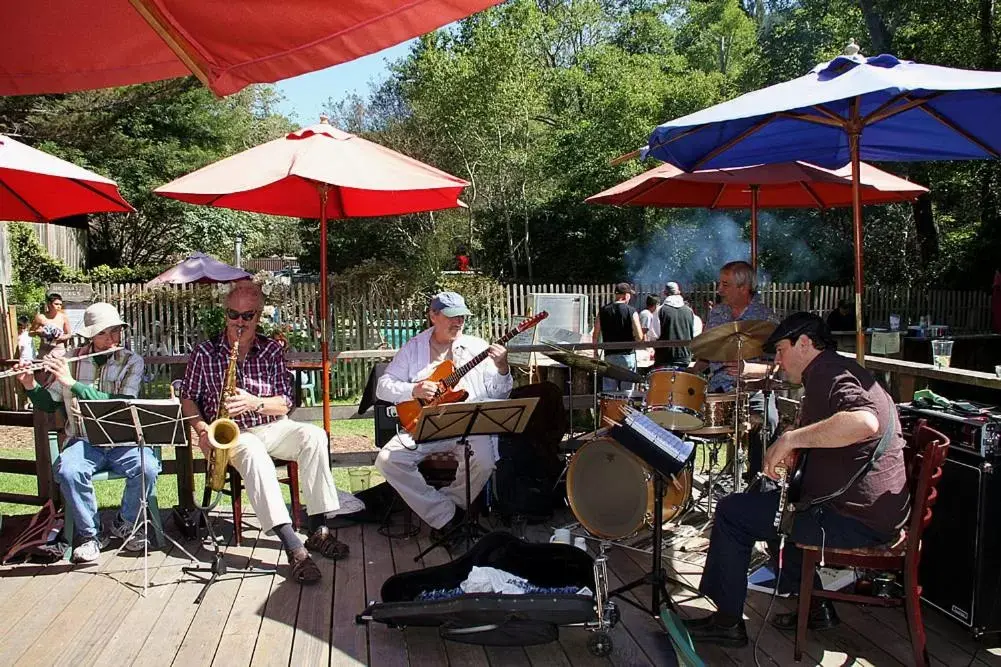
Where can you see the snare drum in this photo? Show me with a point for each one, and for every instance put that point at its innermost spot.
(676, 399)
(720, 413)
(612, 402)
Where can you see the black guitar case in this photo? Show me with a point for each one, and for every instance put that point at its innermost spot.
(493, 619)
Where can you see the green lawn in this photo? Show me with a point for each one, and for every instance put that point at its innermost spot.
(109, 493)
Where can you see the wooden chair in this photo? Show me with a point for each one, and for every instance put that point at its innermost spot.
(927, 452)
(235, 490)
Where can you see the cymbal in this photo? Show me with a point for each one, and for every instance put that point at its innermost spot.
(591, 365)
(723, 342)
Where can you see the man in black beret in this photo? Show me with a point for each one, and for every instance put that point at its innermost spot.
(846, 420)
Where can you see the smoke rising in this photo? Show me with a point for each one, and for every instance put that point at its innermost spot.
(693, 246)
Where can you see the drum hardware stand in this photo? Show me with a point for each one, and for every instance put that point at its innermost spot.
(657, 577)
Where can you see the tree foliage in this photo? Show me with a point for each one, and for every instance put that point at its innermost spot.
(529, 101)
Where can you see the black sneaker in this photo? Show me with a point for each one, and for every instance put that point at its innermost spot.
(822, 617)
(710, 631)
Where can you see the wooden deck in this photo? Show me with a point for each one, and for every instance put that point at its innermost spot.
(62, 614)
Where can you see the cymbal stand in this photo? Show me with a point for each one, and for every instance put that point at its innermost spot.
(738, 455)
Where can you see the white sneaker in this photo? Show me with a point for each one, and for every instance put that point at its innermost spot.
(122, 529)
(89, 550)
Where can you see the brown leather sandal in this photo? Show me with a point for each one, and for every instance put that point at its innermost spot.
(304, 570)
(325, 544)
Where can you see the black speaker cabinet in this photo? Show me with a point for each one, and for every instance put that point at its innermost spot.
(385, 423)
(961, 553)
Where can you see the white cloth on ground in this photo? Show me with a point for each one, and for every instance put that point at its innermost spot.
(492, 580)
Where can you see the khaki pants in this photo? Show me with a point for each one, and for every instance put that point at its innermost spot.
(289, 441)
(398, 460)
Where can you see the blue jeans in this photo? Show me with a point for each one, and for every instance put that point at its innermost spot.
(627, 360)
(78, 463)
(745, 518)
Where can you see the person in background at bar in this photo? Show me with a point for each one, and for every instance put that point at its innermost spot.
(842, 318)
(618, 322)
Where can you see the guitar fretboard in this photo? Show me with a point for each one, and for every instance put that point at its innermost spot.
(453, 378)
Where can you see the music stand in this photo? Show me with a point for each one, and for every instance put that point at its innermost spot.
(143, 423)
(461, 420)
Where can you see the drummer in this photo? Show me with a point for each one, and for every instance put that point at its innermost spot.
(738, 287)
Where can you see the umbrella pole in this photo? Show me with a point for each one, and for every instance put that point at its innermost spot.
(324, 306)
(854, 135)
(754, 227)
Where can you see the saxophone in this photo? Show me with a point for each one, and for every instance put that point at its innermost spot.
(223, 433)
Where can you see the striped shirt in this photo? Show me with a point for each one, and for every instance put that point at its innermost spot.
(121, 375)
(262, 373)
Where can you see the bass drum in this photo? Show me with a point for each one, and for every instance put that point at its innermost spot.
(611, 491)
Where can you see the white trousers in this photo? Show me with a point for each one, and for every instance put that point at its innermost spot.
(287, 440)
(397, 462)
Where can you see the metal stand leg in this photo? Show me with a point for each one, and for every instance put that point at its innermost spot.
(218, 566)
(469, 530)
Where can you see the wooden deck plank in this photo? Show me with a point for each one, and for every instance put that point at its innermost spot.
(424, 646)
(127, 642)
(311, 640)
(120, 592)
(349, 640)
(163, 642)
(274, 643)
(239, 636)
(39, 602)
(202, 638)
(386, 646)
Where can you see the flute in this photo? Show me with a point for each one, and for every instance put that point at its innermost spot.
(37, 366)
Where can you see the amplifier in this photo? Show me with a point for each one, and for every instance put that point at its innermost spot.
(961, 547)
(979, 435)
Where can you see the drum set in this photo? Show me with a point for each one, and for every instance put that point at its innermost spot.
(611, 490)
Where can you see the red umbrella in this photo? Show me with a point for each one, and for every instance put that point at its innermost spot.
(199, 268)
(786, 185)
(38, 187)
(64, 45)
(322, 172)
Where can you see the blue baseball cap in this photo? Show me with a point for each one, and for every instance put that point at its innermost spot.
(450, 304)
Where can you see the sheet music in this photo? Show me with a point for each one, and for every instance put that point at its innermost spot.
(655, 433)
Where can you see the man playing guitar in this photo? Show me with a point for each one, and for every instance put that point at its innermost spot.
(849, 426)
(406, 378)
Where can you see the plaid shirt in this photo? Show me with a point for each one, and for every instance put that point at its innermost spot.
(121, 374)
(262, 373)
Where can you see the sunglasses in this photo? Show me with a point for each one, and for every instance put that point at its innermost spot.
(246, 316)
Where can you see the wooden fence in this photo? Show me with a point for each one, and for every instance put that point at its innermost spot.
(167, 321)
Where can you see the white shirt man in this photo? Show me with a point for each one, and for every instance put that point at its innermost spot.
(406, 378)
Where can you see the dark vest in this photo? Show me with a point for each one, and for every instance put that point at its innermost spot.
(675, 324)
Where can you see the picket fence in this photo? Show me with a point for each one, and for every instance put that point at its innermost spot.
(167, 321)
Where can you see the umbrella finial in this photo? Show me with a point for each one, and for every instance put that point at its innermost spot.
(324, 119)
(852, 49)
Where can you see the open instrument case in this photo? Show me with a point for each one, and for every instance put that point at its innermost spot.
(502, 619)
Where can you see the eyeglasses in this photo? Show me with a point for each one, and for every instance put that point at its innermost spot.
(111, 331)
(246, 316)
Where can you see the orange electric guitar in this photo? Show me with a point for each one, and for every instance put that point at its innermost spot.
(448, 376)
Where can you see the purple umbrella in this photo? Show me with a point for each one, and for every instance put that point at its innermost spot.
(199, 268)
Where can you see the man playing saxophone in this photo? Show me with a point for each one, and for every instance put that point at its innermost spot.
(114, 375)
(259, 405)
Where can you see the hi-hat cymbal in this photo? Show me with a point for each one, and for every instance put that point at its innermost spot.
(591, 365)
(726, 341)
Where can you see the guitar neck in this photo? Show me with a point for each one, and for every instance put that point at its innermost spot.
(455, 376)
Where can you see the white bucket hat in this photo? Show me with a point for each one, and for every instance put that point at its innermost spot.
(97, 318)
